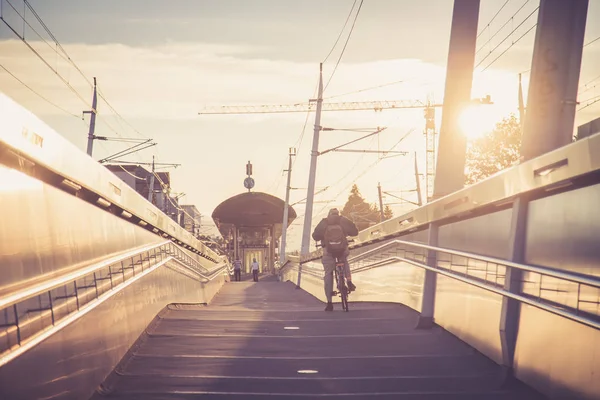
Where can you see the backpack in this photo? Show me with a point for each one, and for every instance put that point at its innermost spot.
(334, 238)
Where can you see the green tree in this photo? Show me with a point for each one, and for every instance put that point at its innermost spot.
(359, 211)
(387, 213)
(495, 151)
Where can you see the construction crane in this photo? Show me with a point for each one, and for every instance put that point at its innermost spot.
(311, 106)
(429, 131)
(379, 105)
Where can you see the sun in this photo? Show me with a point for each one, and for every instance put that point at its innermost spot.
(476, 121)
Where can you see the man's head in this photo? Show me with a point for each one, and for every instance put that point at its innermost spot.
(333, 217)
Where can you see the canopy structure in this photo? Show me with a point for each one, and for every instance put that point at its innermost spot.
(251, 209)
(251, 223)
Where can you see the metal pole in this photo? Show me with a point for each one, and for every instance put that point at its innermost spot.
(310, 193)
(151, 190)
(511, 309)
(418, 182)
(555, 68)
(91, 133)
(235, 243)
(450, 166)
(426, 319)
(380, 201)
(284, 225)
(521, 106)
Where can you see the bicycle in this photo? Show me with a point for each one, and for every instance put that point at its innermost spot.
(340, 281)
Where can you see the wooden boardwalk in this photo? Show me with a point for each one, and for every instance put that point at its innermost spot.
(267, 340)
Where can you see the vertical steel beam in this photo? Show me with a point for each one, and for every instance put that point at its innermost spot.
(450, 167)
(429, 283)
(555, 68)
(284, 225)
(511, 309)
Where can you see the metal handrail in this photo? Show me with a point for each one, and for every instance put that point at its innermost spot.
(569, 276)
(7, 301)
(98, 285)
(204, 277)
(541, 303)
(523, 299)
(216, 271)
(305, 270)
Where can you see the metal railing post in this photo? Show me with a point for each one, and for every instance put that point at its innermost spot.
(429, 283)
(511, 308)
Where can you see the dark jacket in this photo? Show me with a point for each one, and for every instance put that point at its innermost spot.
(348, 226)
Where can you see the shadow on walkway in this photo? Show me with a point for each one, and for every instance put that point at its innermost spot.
(269, 340)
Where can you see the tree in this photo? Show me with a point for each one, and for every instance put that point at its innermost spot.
(495, 151)
(387, 213)
(359, 211)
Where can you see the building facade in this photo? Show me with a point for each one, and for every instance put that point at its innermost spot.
(156, 187)
(192, 219)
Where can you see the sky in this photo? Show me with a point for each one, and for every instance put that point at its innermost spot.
(159, 63)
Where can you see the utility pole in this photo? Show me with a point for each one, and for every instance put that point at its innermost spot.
(151, 191)
(380, 202)
(91, 133)
(521, 106)
(284, 225)
(310, 194)
(304, 250)
(418, 182)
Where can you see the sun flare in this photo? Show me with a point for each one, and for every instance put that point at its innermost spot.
(477, 120)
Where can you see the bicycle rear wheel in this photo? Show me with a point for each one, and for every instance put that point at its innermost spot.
(345, 299)
(343, 289)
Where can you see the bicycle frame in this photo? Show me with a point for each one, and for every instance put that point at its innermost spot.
(340, 281)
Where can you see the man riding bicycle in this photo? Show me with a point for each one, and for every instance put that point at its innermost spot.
(332, 232)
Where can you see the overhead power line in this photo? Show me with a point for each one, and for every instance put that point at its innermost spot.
(367, 169)
(502, 27)
(341, 32)
(343, 178)
(133, 175)
(297, 146)
(101, 95)
(509, 47)
(586, 85)
(493, 18)
(60, 51)
(591, 41)
(587, 89)
(62, 78)
(379, 130)
(37, 93)
(506, 38)
(591, 101)
(364, 90)
(33, 29)
(298, 143)
(345, 44)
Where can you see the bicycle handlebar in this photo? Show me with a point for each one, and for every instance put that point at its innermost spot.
(320, 243)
